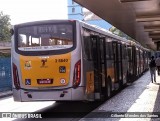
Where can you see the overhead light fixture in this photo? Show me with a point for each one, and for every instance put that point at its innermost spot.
(63, 33)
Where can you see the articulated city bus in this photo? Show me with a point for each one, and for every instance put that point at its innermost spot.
(69, 60)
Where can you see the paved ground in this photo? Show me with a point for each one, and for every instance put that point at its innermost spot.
(140, 98)
(8, 105)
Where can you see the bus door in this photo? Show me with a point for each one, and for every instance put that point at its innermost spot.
(130, 64)
(103, 63)
(117, 50)
(137, 61)
(99, 66)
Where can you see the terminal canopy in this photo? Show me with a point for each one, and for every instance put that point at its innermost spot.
(140, 19)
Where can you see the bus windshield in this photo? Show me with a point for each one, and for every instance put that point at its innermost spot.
(45, 37)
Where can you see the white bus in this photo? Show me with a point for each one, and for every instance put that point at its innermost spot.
(68, 60)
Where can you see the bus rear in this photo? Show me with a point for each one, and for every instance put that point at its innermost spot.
(46, 61)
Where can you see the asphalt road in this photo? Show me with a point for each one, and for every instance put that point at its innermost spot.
(49, 110)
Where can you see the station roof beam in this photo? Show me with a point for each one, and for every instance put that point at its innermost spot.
(152, 29)
(148, 18)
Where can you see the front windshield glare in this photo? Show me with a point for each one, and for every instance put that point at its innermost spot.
(45, 37)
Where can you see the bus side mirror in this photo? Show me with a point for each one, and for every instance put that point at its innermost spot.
(11, 31)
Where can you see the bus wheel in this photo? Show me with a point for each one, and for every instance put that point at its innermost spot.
(109, 87)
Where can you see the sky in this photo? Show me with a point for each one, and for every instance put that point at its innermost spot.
(21, 11)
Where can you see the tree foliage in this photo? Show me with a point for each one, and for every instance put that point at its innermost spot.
(4, 27)
(118, 32)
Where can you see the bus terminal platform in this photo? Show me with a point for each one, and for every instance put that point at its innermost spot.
(139, 101)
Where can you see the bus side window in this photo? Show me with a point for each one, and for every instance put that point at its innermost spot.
(101, 48)
(123, 51)
(129, 53)
(107, 50)
(111, 50)
(87, 44)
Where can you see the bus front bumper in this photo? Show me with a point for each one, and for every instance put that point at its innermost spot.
(49, 95)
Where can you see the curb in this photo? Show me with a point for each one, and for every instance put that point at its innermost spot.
(6, 94)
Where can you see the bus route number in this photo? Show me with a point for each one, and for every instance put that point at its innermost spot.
(61, 60)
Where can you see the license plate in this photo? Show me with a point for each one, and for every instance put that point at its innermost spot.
(45, 81)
